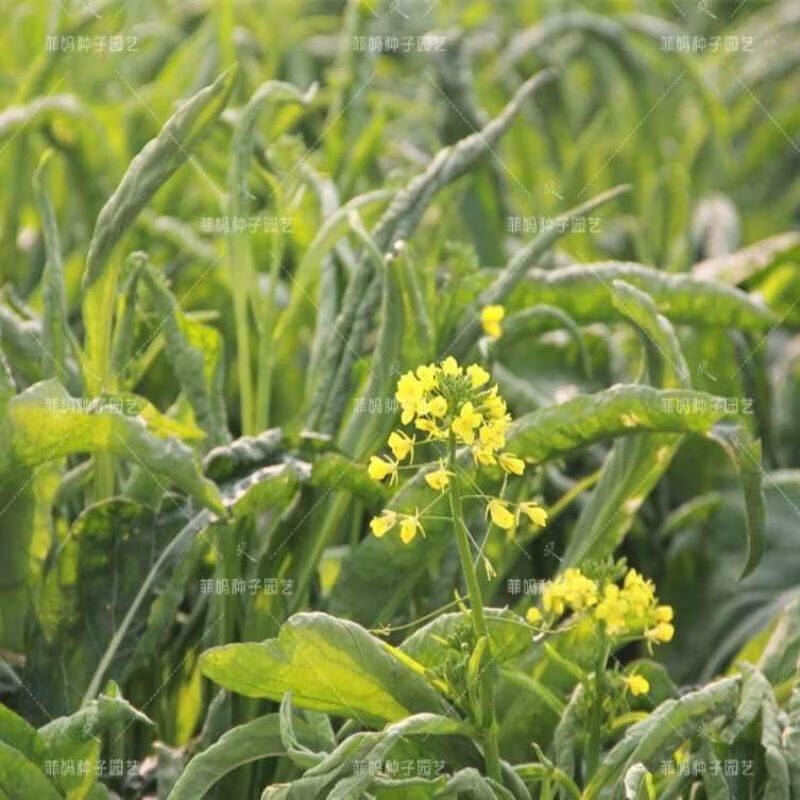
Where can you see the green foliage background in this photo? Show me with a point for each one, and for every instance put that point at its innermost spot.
(200, 337)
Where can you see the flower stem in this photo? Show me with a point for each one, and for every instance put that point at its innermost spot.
(491, 751)
(596, 719)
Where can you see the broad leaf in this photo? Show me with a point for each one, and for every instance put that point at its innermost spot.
(329, 665)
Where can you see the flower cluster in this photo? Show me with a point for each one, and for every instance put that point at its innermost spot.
(628, 610)
(444, 400)
(453, 406)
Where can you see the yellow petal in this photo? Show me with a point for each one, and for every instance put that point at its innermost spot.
(450, 367)
(380, 525)
(379, 468)
(510, 463)
(533, 615)
(637, 684)
(438, 480)
(478, 376)
(401, 445)
(408, 529)
(536, 514)
(437, 406)
(491, 316)
(500, 515)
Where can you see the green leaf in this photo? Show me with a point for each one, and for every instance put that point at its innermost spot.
(426, 725)
(470, 783)
(516, 270)
(21, 778)
(329, 665)
(333, 470)
(44, 423)
(257, 739)
(360, 432)
(584, 293)
(635, 465)
(244, 455)
(639, 783)
(568, 732)
(398, 222)
(16, 118)
(93, 719)
(777, 784)
(54, 316)
(781, 653)
(76, 738)
(197, 355)
(17, 733)
(738, 267)
(89, 585)
(149, 170)
(509, 633)
(663, 732)
(791, 739)
(269, 486)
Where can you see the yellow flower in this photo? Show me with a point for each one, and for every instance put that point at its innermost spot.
(493, 435)
(430, 427)
(380, 468)
(477, 375)
(500, 515)
(664, 614)
(612, 609)
(484, 455)
(636, 684)
(494, 404)
(578, 591)
(450, 367)
(409, 526)
(663, 632)
(510, 463)
(533, 615)
(383, 523)
(428, 377)
(437, 406)
(409, 394)
(401, 445)
(438, 479)
(639, 592)
(465, 423)
(535, 513)
(552, 599)
(491, 317)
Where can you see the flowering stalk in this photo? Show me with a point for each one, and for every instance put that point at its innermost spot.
(491, 751)
(452, 406)
(596, 719)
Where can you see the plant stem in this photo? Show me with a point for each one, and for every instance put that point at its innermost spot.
(596, 719)
(491, 751)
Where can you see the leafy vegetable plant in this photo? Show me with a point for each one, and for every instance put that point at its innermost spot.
(398, 400)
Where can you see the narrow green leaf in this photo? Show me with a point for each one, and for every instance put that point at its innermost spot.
(516, 270)
(197, 355)
(398, 222)
(584, 292)
(736, 268)
(257, 739)
(54, 315)
(149, 170)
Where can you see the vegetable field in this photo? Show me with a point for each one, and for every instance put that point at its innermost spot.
(400, 399)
